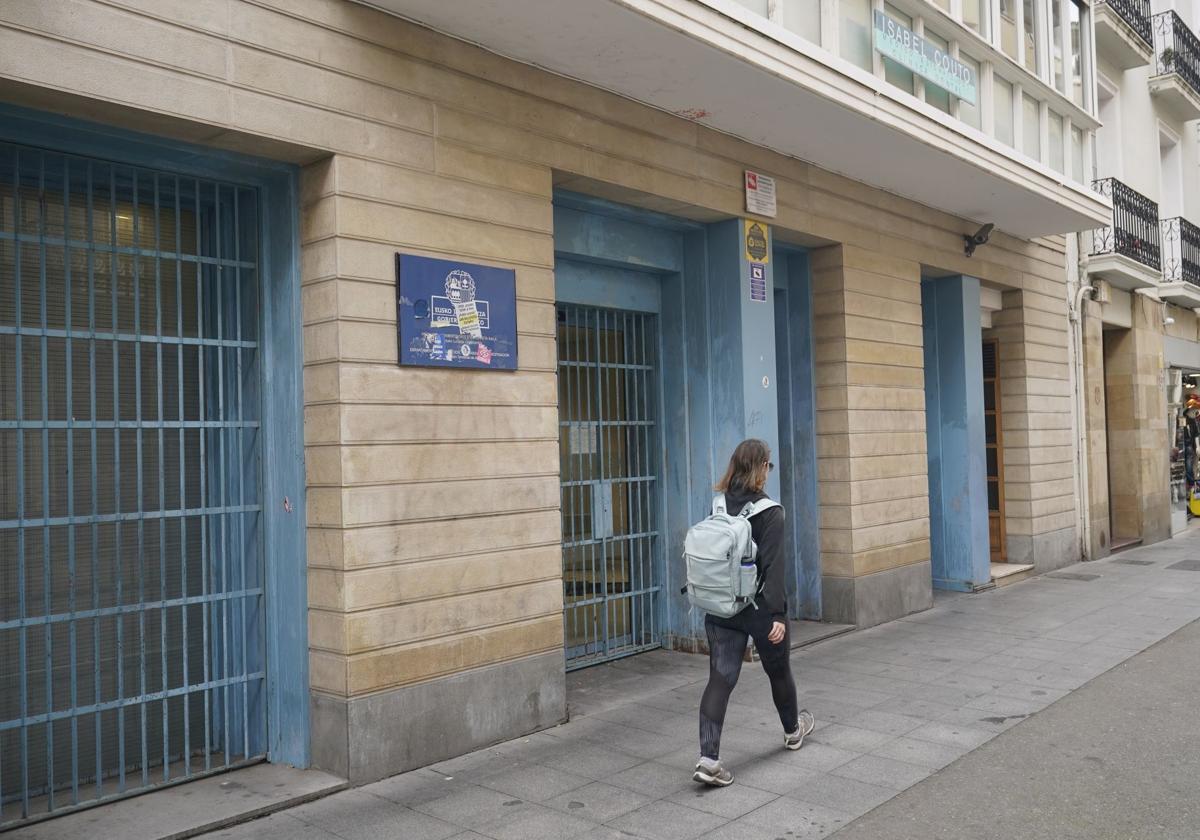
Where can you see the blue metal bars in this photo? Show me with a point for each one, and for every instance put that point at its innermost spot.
(131, 559)
(607, 396)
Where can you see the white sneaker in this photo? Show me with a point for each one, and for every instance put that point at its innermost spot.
(806, 724)
(712, 774)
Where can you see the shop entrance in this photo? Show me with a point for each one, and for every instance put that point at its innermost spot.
(132, 628)
(609, 453)
(994, 442)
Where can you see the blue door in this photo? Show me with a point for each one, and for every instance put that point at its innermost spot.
(609, 448)
(132, 643)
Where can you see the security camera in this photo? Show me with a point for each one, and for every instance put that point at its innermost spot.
(979, 237)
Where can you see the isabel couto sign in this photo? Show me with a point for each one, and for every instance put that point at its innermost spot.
(929, 61)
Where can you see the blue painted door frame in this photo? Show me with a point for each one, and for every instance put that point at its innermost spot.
(282, 406)
(797, 428)
(954, 427)
(717, 346)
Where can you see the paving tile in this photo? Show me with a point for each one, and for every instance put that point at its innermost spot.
(470, 806)
(598, 802)
(667, 821)
(794, 818)
(534, 782)
(279, 826)
(592, 761)
(533, 823)
(837, 793)
(769, 774)
(354, 815)
(603, 832)
(998, 704)
(887, 723)
(1036, 693)
(980, 719)
(817, 757)
(927, 710)
(730, 802)
(474, 765)
(416, 787)
(849, 737)
(885, 772)
(654, 779)
(922, 753)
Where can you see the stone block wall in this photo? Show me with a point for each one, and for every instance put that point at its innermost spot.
(871, 447)
(1039, 488)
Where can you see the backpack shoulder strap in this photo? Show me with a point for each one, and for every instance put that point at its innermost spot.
(753, 509)
(718, 505)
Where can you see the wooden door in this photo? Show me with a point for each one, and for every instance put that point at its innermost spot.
(994, 439)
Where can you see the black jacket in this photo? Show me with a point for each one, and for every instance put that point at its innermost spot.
(767, 529)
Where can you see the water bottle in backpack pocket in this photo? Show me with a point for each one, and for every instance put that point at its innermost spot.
(722, 575)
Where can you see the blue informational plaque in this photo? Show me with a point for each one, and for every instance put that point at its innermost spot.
(455, 314)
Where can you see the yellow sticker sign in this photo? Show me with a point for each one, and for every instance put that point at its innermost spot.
(757, 248)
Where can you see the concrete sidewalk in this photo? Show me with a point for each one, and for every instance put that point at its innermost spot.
(894, 704)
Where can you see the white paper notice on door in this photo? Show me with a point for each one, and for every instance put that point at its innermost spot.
(582, 438)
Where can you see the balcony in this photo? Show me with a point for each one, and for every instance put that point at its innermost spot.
(1123, 32)
(1127, 252)
(1181, 262)
(1176, 79)
(730, 69)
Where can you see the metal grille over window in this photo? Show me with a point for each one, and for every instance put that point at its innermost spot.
(1135, 230)
(1181, 251)
(608, 446)
(131, 582)
(1176, 49)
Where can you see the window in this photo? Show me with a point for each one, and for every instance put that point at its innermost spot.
(975, 15)
(967, 112)
(1008, 28)
(1170, 173)
(934, 95)
(1030, 44)
(1056, 44)
(1031, 127)
(1076, 12)
(1056, 143)
(854, 32)
(895, 73)
(804, 18)
(1077, 162)
(1002, 96)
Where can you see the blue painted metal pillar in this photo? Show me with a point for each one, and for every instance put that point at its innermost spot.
(954, 424)
(741, 316)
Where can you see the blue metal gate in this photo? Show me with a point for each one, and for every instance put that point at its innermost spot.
(131, 562)
(609, 444)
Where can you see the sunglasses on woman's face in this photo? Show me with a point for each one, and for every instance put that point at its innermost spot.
(770, 466)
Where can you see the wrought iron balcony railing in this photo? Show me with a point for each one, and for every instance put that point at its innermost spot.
(1181, 251)
(1176, 49)
(1134, 232)
(1136, 13)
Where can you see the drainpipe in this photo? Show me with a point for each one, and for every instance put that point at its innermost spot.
(1076, 289)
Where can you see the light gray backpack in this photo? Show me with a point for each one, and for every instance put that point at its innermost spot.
(722, 577)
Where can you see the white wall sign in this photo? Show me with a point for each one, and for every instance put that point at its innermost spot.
(929, 61)
(760, 194)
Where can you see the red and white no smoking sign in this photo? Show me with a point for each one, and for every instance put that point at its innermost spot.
(760, 194)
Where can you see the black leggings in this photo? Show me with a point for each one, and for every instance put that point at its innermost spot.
(727, 648)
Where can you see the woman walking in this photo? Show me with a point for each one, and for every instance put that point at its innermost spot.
(765, 620)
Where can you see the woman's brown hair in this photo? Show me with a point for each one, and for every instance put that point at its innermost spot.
(747, 467)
